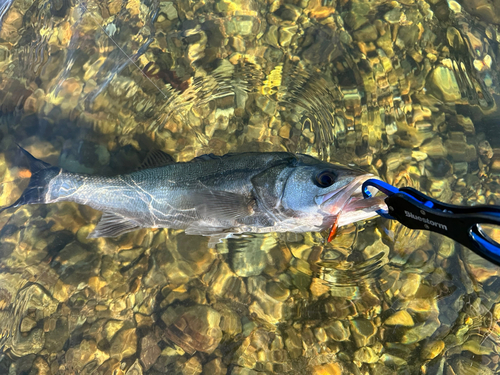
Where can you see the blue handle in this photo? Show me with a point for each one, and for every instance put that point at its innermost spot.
(488, 247)
(384, 187)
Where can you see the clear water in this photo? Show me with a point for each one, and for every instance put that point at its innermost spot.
(406, 90)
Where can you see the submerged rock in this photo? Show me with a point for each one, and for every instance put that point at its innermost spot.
(124, 344)
(337, 331)
(432, 349)
(193, 328)
(150, 351)
(366, 355)
(442, 83)
(327, 369)
(400, 318)
(363, 332)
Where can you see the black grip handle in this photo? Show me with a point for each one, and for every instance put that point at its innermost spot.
(459, 223)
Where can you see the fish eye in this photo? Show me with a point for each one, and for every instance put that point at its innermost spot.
(325, 179)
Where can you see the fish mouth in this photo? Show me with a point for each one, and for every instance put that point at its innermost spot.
(350, 204)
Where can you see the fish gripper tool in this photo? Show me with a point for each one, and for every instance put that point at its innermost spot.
(462, 224)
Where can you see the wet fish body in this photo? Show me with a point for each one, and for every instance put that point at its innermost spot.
(212, 195)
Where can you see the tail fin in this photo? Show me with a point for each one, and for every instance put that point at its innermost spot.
(41, 174)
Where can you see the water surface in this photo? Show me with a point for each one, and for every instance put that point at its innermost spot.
(404, 89)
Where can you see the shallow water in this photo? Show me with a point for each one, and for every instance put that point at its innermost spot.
(406, 90)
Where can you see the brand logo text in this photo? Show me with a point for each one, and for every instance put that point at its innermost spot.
(425, 220)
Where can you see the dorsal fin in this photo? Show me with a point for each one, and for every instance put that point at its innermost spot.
(156, 158)
(211, 156)
(206, 157)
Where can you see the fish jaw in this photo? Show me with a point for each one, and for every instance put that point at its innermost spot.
(348, 204)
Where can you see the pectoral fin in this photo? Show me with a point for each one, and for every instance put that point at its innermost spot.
(113, 225)
(222, 205)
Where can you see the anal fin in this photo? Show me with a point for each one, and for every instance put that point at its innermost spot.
(113, 225)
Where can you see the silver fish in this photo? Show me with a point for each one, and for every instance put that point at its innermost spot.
(211, 195)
